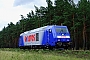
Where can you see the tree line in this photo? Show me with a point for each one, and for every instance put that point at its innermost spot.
(75, 16)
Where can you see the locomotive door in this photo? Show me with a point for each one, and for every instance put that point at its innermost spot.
(49, 36)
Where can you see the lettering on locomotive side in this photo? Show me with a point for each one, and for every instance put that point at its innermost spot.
(29, 38)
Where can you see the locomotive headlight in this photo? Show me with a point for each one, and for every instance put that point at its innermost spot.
(58, 39)
(67, 39)
(62, 34)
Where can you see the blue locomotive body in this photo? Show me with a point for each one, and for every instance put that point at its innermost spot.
(47, 36)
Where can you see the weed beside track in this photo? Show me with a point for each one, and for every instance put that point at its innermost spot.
(40, 54)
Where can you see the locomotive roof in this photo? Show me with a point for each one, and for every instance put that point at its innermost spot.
(39, 29)
(34, 30)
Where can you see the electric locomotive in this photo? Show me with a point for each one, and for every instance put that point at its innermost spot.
(51, 36)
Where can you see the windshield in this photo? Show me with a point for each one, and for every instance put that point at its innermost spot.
(61, 30)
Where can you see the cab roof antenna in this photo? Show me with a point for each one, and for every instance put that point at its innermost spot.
(61, 24)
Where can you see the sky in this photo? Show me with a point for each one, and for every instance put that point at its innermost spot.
(10, 10)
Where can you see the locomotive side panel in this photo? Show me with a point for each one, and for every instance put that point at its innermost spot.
(21, 42)
(33, 38)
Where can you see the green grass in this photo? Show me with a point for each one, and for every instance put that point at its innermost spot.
(19, 54)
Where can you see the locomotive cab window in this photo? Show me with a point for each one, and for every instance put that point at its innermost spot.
(50, 31)
(37, 36)
(62, 30)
